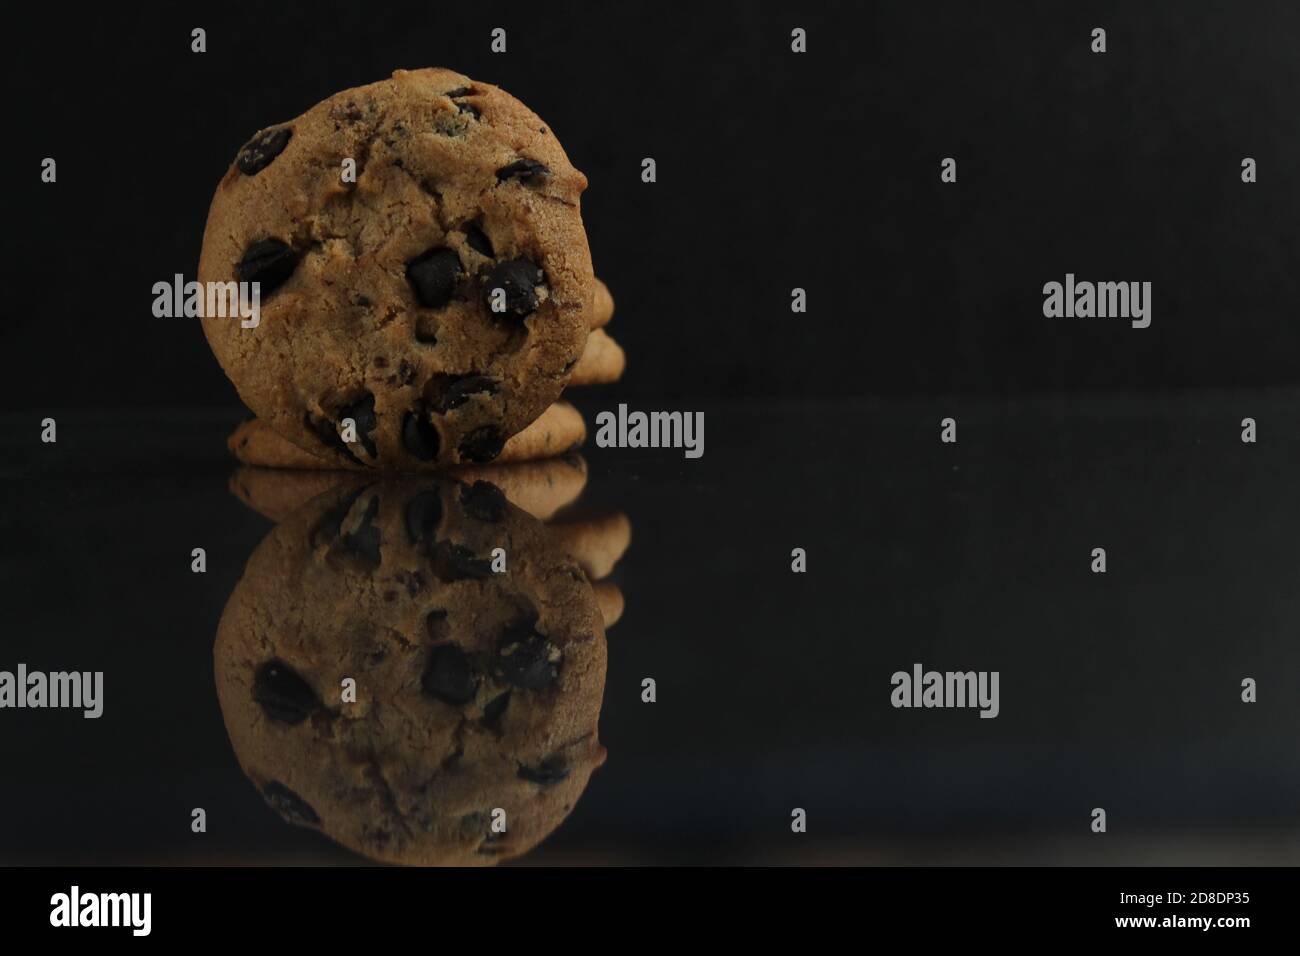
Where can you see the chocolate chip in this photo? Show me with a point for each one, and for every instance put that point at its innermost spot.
(419, 436)
(426, 330)
(433, 275)
(330, 526)
(519, 278)
(484, 501)
(406, 372)
(477, 240)
(268, 262)
(482, 444)
(259, 151)
(528, 171)
(284, 695)
(550, 771)
(469, 108)
(527, 659)
(328, 433)
(475, 825)
(455, 562)
(458, 391)
(495, 709)
(362, 414)
(435, 625)
(289, 805)
(448, 676)
(364, 542)
(423, 515)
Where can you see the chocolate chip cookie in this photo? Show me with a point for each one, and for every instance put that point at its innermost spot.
(597, 540)
(477, 693)
(439, 298)
(602, 309)
(603, 361)
(557, 430)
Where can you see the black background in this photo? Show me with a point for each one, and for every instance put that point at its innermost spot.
(775, 170)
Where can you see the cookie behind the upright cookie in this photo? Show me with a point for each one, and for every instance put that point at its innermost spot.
(440, 301)
(557, 430)
(477, 693)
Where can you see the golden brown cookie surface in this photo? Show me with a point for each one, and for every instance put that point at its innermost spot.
(597, 540)
(602, 309)
(603, 361)
(438, 301)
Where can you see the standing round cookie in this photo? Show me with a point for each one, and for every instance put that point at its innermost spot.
(422, 266)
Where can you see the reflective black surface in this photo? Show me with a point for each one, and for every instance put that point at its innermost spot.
(1118, 690)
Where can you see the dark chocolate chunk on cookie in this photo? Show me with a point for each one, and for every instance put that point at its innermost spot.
(495, 709)
(527, 659)
(466, 108)
(268, 262)
(455, 562)
(365, 540)
(550, 771)
(482, 444)
(484, 501)
(458, 390)
(436, 625)
(363, 417)
(433, 275)
(519, 279)
(289, 805)
(449, 676)
(261, 150)
(423, 515)
(419, 436)
(284, 695)
(478, 240)
(325, 430)
(525, 170)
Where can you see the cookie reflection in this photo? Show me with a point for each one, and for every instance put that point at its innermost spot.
(472, 730)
